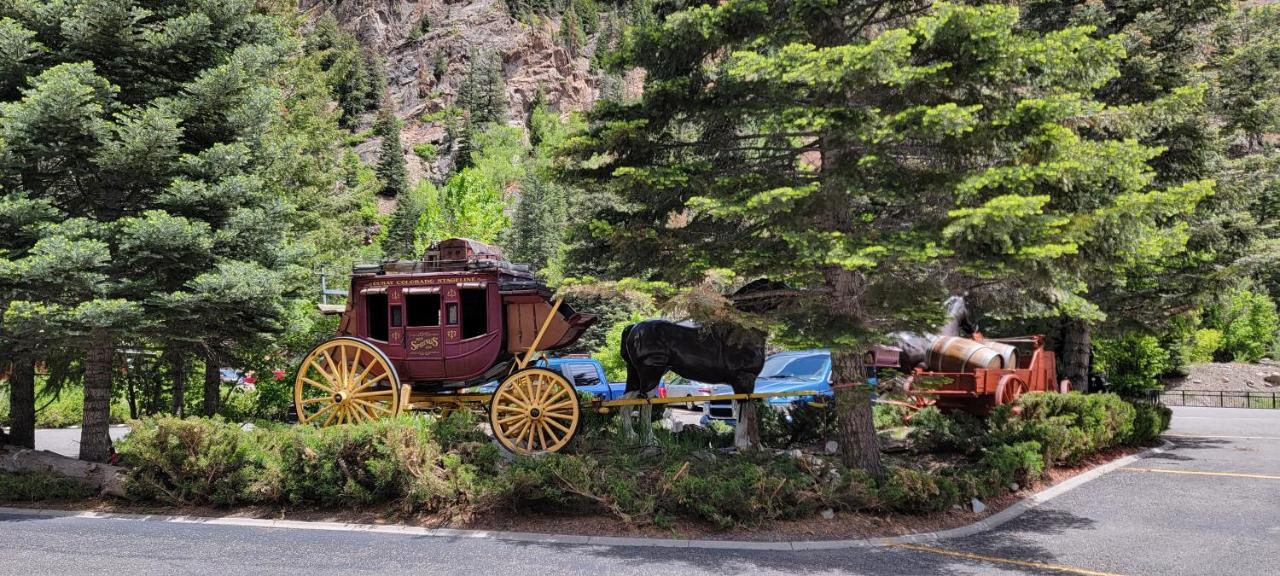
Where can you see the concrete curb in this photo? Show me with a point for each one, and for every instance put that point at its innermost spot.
(988, 523)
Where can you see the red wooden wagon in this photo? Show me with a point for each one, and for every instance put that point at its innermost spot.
(976, 375)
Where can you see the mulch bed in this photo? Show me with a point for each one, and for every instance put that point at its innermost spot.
(842, 526)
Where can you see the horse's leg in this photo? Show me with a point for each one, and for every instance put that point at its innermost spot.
(646, 424)
(625, 413)
(746, 431)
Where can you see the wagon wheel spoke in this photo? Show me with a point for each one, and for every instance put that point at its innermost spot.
(333, 386)
(562, 427)
(366, 404)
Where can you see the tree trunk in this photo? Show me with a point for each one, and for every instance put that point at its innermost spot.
(95, 441)
(22, 403)
(1077, 349)
(212, 385)
(178, 376)
(859, 444)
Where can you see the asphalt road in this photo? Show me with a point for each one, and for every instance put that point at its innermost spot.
(1207, 506)
(66, 441)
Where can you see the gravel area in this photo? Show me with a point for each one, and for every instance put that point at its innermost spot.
(1229, 376)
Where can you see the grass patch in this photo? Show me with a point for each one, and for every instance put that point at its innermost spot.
(40, 486)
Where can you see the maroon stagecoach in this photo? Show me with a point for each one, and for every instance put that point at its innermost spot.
(415, 334)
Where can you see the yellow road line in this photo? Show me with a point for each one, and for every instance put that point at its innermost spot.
(999, 560)
(1203, 473)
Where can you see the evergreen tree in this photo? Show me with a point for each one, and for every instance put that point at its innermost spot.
(154, 169)
(875, 157)
(400, 241)
(391, 164)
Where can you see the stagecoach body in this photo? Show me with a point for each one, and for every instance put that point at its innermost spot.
(413, 334)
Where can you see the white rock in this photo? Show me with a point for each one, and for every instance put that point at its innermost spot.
(1015, 487)
(832, 447)
(978, 506)
(828, 514)
(248, 427)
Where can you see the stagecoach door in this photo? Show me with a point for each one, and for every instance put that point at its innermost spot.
(422, 342)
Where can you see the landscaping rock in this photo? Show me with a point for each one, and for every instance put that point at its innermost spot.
(106, 479)
(978, 506)
(832, 447)
(828, 514)
(1272, 380)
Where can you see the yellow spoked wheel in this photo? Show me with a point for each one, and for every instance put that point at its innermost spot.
(533, 411)
(346, 380)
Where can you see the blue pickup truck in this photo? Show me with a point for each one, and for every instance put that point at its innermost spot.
(585, 373)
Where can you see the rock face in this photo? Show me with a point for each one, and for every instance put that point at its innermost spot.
(455, 30)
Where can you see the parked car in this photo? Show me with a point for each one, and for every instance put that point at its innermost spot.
(678, 387)
(789, 371)
(586, 374)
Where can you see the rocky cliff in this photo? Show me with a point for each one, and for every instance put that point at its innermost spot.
(426, 46)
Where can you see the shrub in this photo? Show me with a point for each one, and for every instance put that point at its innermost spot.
(1014, 463)
(1149, 420)
(1068, 427)
(913, 490)
(195, 461)
(427, 151)
(40, 486)
(1204, 345)
(1133, 362)
(932, 431)
(1249, 325)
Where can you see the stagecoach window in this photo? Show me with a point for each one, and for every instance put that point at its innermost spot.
(424, 309)
(451, 313)
(475, 315)
(376, 311)
(395, 316)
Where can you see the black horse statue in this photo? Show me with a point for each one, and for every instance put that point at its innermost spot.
(716, 354)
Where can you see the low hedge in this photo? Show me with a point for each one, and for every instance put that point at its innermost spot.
(448, 465)
(1066, 427)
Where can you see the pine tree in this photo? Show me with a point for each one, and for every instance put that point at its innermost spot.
(160, 176)
(391, 164)
(875, 158)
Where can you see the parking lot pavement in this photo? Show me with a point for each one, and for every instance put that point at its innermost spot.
(66, 441)
(1205, 505)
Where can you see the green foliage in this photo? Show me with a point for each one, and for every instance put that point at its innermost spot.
(471, 206)
(391, 165)
(1068, 427)
(1248, 322)
(40, 487)
(426, 151)
(1133, 362)
(1205, 345)
(610, 351)
(400, 240)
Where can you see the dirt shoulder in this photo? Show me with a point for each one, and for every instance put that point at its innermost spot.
(841, 526)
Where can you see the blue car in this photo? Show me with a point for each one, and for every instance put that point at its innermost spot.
(585, 373)
(790, 371)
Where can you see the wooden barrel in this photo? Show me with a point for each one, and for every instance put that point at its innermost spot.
(1007, 351)
(955, 354)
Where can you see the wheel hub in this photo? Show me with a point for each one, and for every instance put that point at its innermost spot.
(535, 413)
(339, 397)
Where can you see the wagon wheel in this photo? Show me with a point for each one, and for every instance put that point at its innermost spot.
(1009, 389)
(345, 380)
(534, 410)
